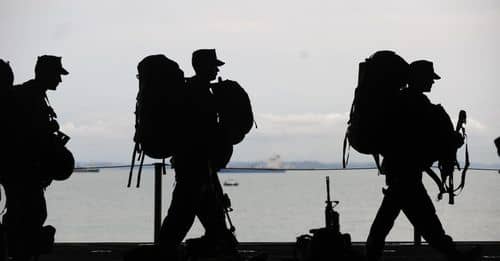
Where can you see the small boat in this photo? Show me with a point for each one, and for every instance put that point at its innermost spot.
(230, 182)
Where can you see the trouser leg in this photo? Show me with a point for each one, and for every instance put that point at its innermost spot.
(383, 223)
(180, 216)
(26, 214)
(421, 213)
(211, 214)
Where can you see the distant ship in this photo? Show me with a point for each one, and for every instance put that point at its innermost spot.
(275, 162)
(273, 165)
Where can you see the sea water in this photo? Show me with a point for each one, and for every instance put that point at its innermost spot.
(268, 207)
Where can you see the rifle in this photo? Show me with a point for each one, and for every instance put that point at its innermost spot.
(450, 188)
(331, 216)
(327, 243)
(221, 197)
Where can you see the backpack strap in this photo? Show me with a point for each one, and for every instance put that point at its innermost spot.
(141, 157)
(345, 152)
(164, 168)
(346, 146)
(466, 165)
(376, 157)
(52, 113)
(132, 164)
(438, 181)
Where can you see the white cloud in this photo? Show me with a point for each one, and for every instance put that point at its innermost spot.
(476, 126)
(300, 124)
(98, 130)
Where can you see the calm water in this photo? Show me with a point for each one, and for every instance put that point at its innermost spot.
(99, 207)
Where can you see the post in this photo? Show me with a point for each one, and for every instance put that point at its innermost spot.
(157, 203)
(417, 238)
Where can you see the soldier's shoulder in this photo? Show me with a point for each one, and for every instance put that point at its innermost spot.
(29, 88)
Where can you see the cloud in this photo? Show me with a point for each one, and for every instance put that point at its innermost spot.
(476, 126)
(300, 124)
(98, 130)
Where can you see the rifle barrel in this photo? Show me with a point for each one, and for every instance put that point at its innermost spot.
(328, 189)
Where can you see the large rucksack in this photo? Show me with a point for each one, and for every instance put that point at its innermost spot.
(235, 110)
(159, 108)
(373, 108)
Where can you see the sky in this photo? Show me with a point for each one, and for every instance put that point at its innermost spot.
(297, 60)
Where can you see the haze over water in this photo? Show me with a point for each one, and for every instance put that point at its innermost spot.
(98, 207)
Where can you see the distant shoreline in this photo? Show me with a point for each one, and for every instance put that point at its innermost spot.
(261, 165)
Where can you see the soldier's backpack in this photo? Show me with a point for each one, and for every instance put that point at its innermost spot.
(379, 80)
(57, 163)
(158, 108)
(235, 110)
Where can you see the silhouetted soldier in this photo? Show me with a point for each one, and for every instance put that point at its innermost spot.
(27, 210)
(6, 104)
(6, 81)
(408, 156)
(195, 165)
(6, 131)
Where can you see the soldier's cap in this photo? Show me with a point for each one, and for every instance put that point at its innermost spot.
(205, 57)
(497, 142)
(423, 68)
(50, 63)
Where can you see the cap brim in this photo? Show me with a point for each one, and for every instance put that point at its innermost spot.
(435, 76)
(219, 63)
(63, 71)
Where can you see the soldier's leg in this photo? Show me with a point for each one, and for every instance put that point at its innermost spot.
(26, 214)
(211, 213)
(421, 213)
(383, 223)
(180, 216)
(218, 237)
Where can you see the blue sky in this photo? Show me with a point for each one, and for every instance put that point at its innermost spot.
(297, 60)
